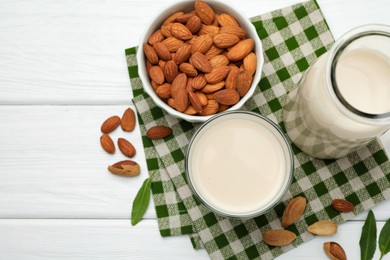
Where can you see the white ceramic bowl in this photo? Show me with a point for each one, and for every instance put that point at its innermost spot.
(185, 6)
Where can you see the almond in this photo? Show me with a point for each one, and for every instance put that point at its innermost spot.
(219, 60)
(342, 205)
(161, 64)
(183, 53)
(222, 108)
(217, 74)
(194, 24)
(107, 143)
(198, 82)
(179, 82)
(240, 50)
(110, 124)
(210, 96)
(172, 43)
(231, 29)
(225, 40)
(171, 103)
(232, 77)
(125, 168)
(157, 36)
(189, 85)
(184, 18)
(250, 62)
(202, 98)
(202, 44)
(323, 228)
(181, 99)
(211, 88)
(293, 211)
(211, 30)
(172, 18)
(150, 54)
(227, 97)
(164, 91)
(170, 71)
(210, 109)
(128, 120)
(195, 102)
(162, 51)
(334, 251)
(158, 132)
(157, 74)
(154, 85)
(166, 30)
(226, 19)
(126, 147)
(190, 111)
(243, 83)
(188, 69)
(278, 237)
(212, 52)
(205, 12)
(200, 62)
(148, 66)
(180, 31)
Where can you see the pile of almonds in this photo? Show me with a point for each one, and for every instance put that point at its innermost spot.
(127, 123)
(200, 63)
(293, 212)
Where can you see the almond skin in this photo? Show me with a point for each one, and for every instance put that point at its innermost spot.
(190, 110)
(150, 54)
(188, 69)
(170, 71)
(231, 79)
(210, 109)
(195, 102)
(157, 36)
(126, 147)
(125, 168)
(194, 24)
(158, 132)
(202, 44)
(211, 88)
(226, 19)
(240, 50)
(293, 211)
(179, 82)
(201, 63)
(198, 82)
(205, 12)
(231, 29)
(342, 205)
(157, 74)
(227, 97)
(181, 32)
(211, 30)
(184, 18)
(183, 53)
(162, 51)
(164, 91)
(110, 124)
(334, 251)
(323, 228)
(166, 30)
(172, 43)
(278, 237)
(212, 52)
(181, 99)
(128, 120)
(217, 74)
(243, 83)
(172, 18)
(107, 143)
(225, 40)
(202, 98)
(250, 62)
(219, 60)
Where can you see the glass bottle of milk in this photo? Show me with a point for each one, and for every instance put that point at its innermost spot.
(343, 100)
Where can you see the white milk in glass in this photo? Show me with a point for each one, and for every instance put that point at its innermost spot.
(343, 100)
(239, 164)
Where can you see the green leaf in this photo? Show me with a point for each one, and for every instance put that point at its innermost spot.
(141, 202)
(368, 238)
(384, 239)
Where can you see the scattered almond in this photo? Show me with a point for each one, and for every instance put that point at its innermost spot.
(107, 143)
(278, 237)
(126, 147)
(323, 228)
(125, 168)
(342, 205)
(334, 251)
(110, 124)
(128, 120)
(293, 211)
(158, 132)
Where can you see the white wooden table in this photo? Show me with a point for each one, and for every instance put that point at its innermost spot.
(62, 72)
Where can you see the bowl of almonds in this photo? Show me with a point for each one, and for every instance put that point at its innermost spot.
(199, 58)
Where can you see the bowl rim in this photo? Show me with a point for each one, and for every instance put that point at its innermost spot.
(141, 61)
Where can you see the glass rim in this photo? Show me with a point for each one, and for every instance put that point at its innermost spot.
(280, 194)
(334, 54)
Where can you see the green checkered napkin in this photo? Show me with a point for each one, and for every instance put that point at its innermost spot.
(292, 38)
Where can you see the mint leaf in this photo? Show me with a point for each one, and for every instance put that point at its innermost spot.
(368, 238)
(384, 239)
(141, 202)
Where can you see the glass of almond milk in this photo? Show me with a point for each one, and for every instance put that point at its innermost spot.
(343, 100)
(239, 164)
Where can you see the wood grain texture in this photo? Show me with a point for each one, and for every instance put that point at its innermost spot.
(116, 239)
